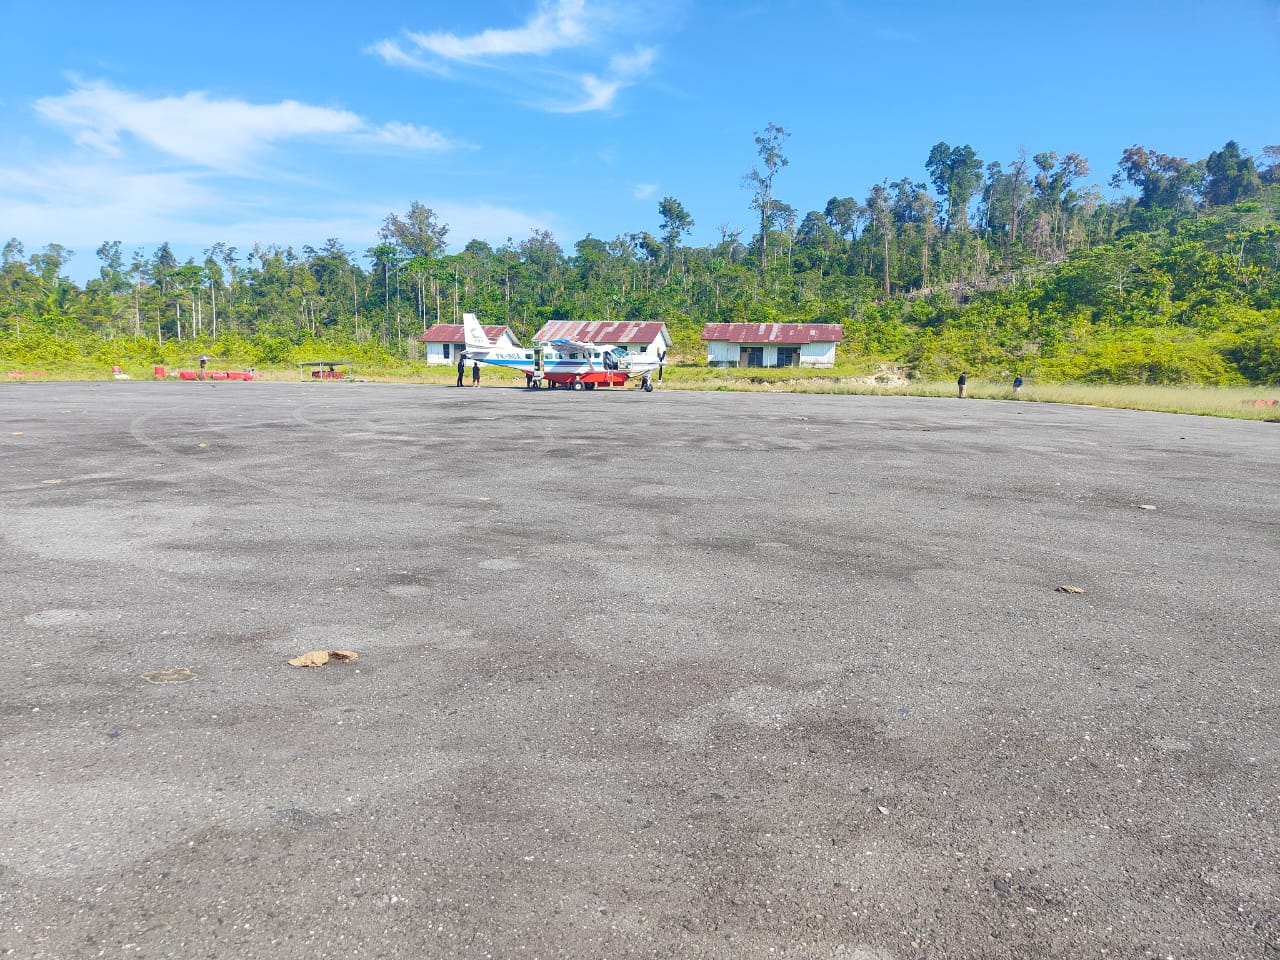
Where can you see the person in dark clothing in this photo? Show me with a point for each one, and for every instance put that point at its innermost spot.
(475, 373)
(462, 365)
(1017, 383)
(960, 383)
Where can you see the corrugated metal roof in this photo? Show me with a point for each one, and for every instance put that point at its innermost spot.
(774, 332)
(597, 331)
(452, 333)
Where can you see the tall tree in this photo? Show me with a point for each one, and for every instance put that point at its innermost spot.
(419, 233)
(879, 208)
(760, 181)
(111, 273)
(1055, 200)
(1163, 181)
(1232, 176)
(1271, 172)
(956, 173)
(384, 258)
(846, 215)
(915, 213)
(676, 222)
(1005, 197)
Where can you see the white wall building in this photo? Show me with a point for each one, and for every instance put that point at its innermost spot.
(444, 341)
(772, 344)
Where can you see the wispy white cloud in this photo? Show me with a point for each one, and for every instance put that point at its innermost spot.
(395, 55)
(81, 204)
(635, 64)
(564, 23)
(599, 94)
(220, 134)
(190, 169)
(644, 191)
(564, 54)
(410, 137)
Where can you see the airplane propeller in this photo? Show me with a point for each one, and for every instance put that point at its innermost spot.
(662, 356)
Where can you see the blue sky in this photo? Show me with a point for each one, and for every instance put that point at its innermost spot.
(291, 123)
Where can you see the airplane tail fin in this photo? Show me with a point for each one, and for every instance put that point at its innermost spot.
(474, 334)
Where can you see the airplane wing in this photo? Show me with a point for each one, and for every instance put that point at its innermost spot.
(575, 344)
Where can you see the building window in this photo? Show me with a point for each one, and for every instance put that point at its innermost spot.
(444, 347)
(788, 356)
(751, 357)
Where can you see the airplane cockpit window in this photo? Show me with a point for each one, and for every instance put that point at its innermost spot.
(574, 356)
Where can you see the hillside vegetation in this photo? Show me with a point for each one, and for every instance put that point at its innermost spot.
(999, 269)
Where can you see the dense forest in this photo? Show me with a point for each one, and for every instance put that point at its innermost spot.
(995, 267)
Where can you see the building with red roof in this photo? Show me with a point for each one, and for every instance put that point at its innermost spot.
(772, 344)
(445, 341)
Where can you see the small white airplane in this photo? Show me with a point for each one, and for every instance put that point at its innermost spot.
(561, 363)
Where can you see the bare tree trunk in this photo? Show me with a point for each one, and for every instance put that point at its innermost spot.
(886, 262)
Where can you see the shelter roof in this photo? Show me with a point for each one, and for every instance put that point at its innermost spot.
(774, 332)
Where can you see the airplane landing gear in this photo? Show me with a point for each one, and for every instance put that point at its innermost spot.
(647, 384)
(579, 385)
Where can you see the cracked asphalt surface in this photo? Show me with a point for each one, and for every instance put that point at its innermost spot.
(668, 675)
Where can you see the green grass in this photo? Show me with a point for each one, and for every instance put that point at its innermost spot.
(859, 378)
(1235, 402)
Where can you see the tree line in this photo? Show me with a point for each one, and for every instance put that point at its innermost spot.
(992, 266)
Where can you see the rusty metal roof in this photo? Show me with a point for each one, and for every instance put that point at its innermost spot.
(452, 333)
(600, 332)
(774, 332)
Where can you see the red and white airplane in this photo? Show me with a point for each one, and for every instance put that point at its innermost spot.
(564, 363)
